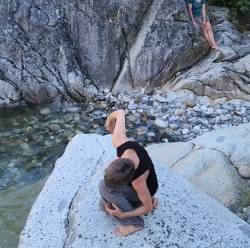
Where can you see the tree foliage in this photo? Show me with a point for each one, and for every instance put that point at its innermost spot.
(241, 5)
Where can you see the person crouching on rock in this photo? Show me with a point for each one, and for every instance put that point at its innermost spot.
(130, 181)
(197, 11)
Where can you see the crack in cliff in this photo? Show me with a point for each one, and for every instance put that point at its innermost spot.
(123, 57)
(126, 53)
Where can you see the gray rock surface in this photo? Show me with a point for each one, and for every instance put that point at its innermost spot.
(66, 212)
(221, 74)
(211, 162)
(51, 49)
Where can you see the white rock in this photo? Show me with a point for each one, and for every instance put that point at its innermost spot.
(106, 91)
(161, 123)
(185, 131)
(205, 100)
(66, 213)
(221, 100)
(90, 90)
(45, 111)
(160, 98)
(232, 141)
(8, 93)
(196, 129)
(244, 171)
(132, 106)
(210, 168)
(246, 210)
(183, 96)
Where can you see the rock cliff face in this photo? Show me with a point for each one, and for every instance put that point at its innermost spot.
(66, 213)
(69, 49)
(51, 49)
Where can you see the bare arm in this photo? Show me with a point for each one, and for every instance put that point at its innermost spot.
(116, 126)
(144, 196)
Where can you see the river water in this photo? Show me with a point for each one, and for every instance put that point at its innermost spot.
(31, 139)
(28, 150)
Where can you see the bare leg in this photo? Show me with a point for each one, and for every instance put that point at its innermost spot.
(205, 31)
(211, 36)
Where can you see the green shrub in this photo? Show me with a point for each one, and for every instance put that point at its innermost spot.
(241, 5)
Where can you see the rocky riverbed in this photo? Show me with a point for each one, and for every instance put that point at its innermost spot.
(32, 138)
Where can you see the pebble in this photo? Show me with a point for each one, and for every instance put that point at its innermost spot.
(246, 210)
(185, 131)
(244, 171)
(161, 123)
(45, 111)
(54, 127)
(132, 106)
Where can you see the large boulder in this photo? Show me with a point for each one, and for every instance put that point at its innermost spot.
(211, 162)
(66, 213)
(49, 48)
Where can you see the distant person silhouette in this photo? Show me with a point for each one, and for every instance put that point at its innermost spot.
(198, 13)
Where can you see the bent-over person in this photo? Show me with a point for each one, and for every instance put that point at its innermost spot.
(130, 182)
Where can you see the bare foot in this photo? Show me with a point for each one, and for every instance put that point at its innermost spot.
(155, 202)
(126, 230)
(216, 48)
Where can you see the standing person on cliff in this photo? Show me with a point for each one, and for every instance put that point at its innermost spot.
(198, 14)
(130, 181)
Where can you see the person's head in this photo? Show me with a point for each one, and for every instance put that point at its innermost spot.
(119, 172)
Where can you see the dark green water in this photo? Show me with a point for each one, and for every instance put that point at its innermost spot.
(29, 148)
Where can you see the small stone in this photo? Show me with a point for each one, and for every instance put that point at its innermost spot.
(160, 98)
(173, 126)
(205, 100)
(244, 171)
(106, 91)
(151, 134)
(185, 131)
(72, 109)
(228, 106)
(161, 123)
(54, 127)
(179, 112)
(138, 99)
(45, 111)
(196, 129)
(132, 106)
(246, 210)
(87, 81)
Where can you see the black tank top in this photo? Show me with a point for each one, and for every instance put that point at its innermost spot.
(144, 164)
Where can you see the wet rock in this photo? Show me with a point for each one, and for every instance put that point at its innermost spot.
(45, 111)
